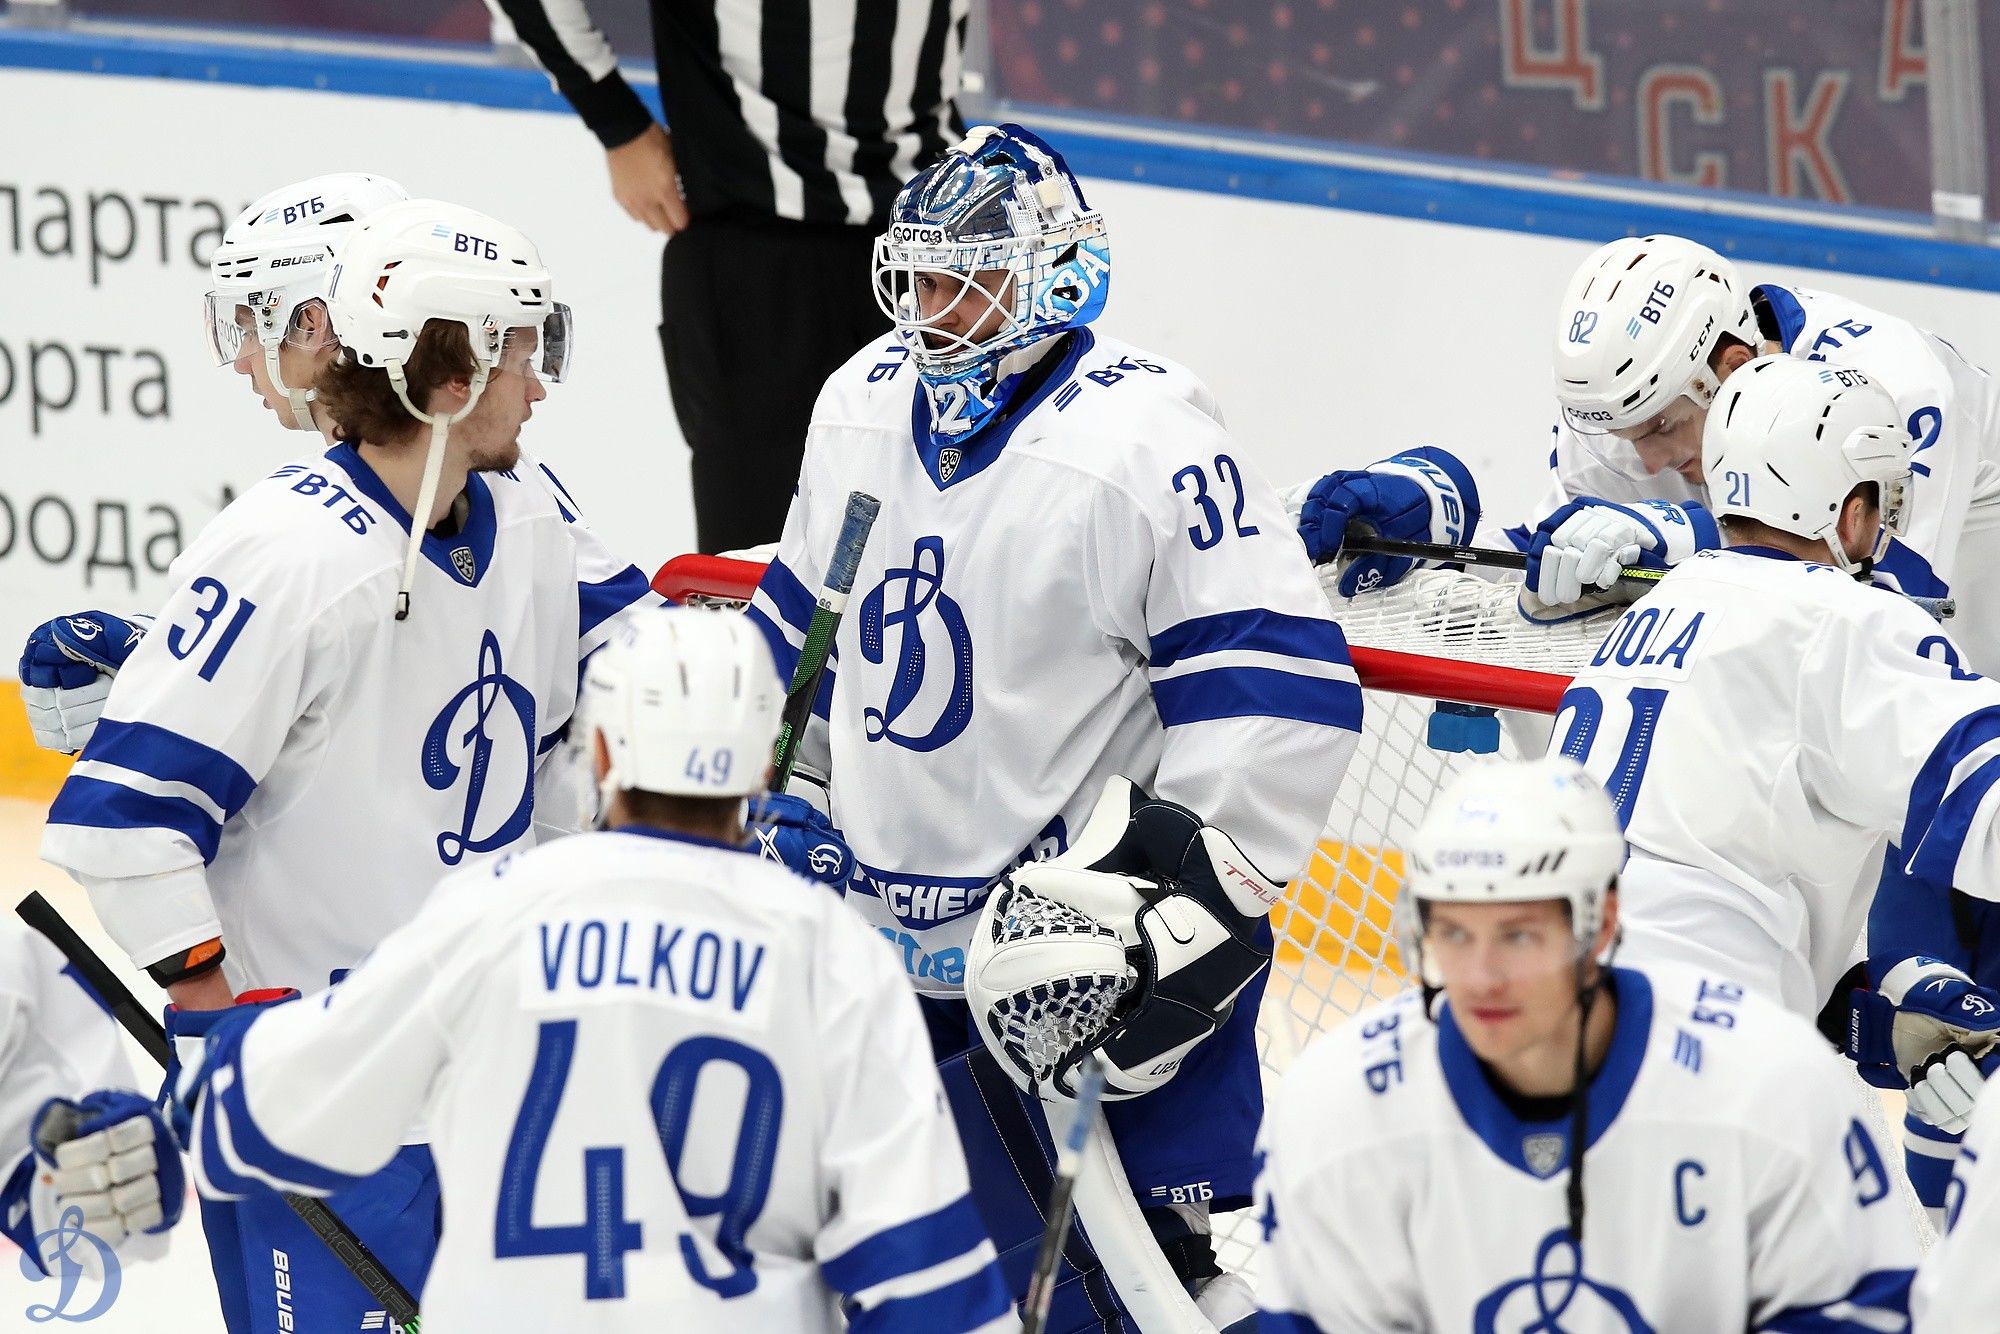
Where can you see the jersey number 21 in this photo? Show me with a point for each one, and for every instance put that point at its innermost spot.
(1584, 707)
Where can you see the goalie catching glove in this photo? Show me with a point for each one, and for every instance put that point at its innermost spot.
(1929, 1028)
(1134, 944)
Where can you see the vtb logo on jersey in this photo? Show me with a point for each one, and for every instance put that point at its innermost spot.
(462, 740)
(930, 687)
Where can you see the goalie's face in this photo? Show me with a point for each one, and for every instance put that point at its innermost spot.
(1509, 970)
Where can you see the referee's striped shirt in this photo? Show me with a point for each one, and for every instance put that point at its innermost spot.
(814, 111)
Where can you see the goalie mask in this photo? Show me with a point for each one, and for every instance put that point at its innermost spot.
(989, 251)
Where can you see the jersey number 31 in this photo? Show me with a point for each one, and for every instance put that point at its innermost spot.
(605, 1234)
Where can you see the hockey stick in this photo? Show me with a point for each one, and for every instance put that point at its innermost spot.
(135, 1019)
(1062, 1198)
(1497, 558)
(797, 713)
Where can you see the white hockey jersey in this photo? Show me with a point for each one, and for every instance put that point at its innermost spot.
(1729, 1182)
(56, 1041)
(284, 764)
(1950, 407)
(672, 1088)
(1101, 585)
(1766, 727)
(1958, 1286)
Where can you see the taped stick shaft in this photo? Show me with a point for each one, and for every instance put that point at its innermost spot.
(1062, 1199)
(136, 1019)
(841, 568)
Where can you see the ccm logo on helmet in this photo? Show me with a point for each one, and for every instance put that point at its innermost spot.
(904, 231)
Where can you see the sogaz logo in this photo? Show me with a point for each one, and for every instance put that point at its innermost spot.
(911, 234)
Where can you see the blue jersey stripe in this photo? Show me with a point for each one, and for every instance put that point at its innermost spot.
(599, 602)
(93, 803)
(975, 1300)
(791, 597)
(1912, 573)
(246, 1142)
(1936, 821)
(907, 1248)
(1255, 630)
(784, 652)
(1257, 692)
(1286, 1322)
(1880, 1291)
(172, 758)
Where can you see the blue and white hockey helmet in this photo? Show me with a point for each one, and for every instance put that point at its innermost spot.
(989, 250)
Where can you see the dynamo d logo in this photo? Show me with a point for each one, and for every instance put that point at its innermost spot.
(461, 730)
(1557, 1298)
(76, 1271)
(932, 678)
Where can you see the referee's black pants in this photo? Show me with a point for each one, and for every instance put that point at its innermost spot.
(755, 315)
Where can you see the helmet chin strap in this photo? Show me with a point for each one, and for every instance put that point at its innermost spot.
(433, 467)
(300, 399)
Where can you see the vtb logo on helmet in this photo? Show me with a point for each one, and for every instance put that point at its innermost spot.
(272, 261)
(1672, 300)
(989, 251)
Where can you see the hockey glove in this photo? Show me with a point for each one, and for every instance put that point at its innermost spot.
(790, 829)
(1947, 1088)
(110, 1156)
(1190, 909)
(1425, 495)
(1903, 1033)
(66, 670)
(1585, 544)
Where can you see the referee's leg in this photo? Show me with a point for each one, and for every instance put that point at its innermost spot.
(754, 318)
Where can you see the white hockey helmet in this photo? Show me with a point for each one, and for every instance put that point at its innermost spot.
(687, 701)
(1637, 326)
(276, 257)
(423, 260)
(1790, 439)
(1519, 831)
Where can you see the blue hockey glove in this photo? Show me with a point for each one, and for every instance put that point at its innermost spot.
(791, 830)
(1582, 546)
(110, 1156)
(1422, 495)
(1903, 1033)
(66, 670)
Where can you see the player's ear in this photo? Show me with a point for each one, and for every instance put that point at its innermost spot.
(1608, 930)
(1735, 354)
(600, 756)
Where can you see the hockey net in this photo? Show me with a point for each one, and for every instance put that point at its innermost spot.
(1438, 654)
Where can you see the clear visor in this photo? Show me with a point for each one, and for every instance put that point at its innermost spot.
(229, 320)
(546, 350)
(949, 304)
